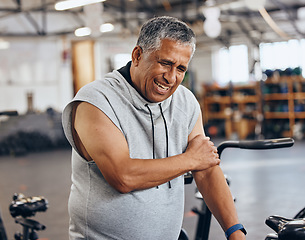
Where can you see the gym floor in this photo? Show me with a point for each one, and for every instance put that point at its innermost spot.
(264, 183)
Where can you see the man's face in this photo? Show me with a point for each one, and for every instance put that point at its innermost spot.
(159, 73)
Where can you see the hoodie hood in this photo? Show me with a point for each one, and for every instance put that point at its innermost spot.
(126, 90)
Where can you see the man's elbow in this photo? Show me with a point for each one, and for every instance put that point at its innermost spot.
(122, 184)
(123, 188)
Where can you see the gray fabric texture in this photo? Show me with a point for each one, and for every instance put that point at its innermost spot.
(98, 211)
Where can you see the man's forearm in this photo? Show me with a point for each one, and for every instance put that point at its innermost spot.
(213, 186)
(146, 173)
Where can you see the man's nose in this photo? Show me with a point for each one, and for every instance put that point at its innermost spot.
(170, 75)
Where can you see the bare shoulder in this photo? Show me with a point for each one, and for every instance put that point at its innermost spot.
(198, 128)
(95, 133)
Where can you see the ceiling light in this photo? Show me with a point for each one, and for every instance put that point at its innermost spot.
(301, 13)
(81, 32)
(211, 13)
(212, 28)
(212, 25)
(106, 27)
(64, 5)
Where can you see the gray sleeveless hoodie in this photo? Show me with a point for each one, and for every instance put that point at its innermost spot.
(152, 130)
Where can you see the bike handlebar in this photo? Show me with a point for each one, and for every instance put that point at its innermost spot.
(248, 144)
(256, 144)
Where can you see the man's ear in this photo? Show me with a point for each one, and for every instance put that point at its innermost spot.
(136, 55)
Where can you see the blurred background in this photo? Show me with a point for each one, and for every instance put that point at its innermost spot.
(247, 74)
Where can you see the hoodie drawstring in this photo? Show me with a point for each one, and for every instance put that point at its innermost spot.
(166, 132)
(153, 129)
(153, 134)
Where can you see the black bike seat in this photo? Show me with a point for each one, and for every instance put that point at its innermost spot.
(286, 228)
(293, 230)
(276, 222)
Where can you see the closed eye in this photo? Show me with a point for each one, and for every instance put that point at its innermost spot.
(165, 63)
(182, 69)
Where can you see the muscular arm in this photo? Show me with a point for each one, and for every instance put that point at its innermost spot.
(98, 139)
(212, 185)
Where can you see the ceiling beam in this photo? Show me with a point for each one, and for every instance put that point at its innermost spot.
(244, 30)
(33, 22)
(291, 18)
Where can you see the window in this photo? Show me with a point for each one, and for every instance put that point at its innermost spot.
(282, 55)
(120, 60)
(231, 64)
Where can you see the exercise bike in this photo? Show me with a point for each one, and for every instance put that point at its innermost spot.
(21, 208)
(293, 228)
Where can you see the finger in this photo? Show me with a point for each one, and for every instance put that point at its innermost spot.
(215, 149)
(206, 138)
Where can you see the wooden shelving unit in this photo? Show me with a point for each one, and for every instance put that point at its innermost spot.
(235, 107)
(284, 99)
(280, 102)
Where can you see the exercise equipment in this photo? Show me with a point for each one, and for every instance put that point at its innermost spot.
(287, 228)
(21, 208)
(204, 214)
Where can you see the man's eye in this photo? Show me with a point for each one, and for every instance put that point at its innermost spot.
(164, 63)
(182, 70)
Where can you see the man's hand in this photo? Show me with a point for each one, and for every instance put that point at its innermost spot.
(202, 152)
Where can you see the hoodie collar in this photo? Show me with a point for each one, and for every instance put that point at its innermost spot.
(122, 76)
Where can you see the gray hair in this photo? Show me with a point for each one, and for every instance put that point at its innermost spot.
(159, 28)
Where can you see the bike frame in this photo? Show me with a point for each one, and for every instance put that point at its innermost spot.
(2, 229)
(205, 215)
